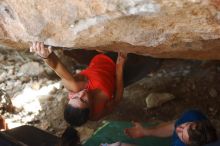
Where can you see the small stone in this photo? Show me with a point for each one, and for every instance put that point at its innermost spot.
(3, 76)
(53, 91)
(36, 85)
(78, 71)
(157, 99)
(185, 72)
(44, 125)
(163, 71)
(211, 109)
(85, 133)
(2, 58)
(25, 79)
(159, 75)
(31, 68)
(150, 75)
(213, 93)
(10, 71)
(45, 98)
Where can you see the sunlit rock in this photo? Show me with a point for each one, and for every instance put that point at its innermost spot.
(156, 99)
(160, 28)
(31, 69)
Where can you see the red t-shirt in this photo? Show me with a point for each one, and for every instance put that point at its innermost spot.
(101, 75)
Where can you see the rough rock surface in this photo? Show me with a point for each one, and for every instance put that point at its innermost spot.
(157, 99)
(159, 28)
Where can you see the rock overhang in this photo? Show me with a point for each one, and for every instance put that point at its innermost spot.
(187, 29)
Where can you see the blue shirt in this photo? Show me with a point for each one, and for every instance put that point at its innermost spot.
(189, 116)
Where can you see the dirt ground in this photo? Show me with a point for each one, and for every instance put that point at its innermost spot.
(195, 84)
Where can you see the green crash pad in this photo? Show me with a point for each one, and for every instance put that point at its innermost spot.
(113, 131)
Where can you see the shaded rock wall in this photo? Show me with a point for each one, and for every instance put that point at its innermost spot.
(160, 28)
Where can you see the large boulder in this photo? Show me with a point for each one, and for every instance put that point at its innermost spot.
(159, 28)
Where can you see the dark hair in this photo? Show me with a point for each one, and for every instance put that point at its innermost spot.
(70, 137)
(76, 116)
(203, 133)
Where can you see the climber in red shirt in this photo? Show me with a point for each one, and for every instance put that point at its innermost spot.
(94, 92)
